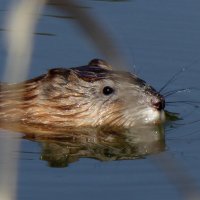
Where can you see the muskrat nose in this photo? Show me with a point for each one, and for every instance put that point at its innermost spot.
(158, 102)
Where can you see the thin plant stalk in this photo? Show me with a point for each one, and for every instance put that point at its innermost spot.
(21, 21)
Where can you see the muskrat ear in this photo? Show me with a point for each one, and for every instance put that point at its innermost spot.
(56, 73)
(100, 63)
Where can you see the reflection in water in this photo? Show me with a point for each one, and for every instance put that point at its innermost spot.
(64, 3)
(60, 150)
(59, 16)
(45, 34)
(2, 29)
(36, 33)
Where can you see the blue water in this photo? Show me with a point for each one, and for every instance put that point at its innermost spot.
(158, 38)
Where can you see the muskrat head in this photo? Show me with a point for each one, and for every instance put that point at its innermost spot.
(96, 95)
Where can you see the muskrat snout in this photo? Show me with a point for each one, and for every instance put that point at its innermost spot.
(158, 102)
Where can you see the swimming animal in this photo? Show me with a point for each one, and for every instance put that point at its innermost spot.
(93, 95)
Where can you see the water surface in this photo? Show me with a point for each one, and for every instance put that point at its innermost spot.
(158, 38)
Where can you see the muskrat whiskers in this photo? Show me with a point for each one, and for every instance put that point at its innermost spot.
(188, 123)
(169, 93)
(192, 103)
(195, 104)
(174, 77)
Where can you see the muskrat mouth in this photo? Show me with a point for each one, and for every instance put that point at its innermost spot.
(154, 116)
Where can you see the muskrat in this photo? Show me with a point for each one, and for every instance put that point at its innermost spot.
(87, 96)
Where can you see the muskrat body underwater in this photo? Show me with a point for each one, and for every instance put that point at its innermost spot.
(92, 95)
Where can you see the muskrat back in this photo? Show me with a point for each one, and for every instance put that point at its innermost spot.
(92, 95)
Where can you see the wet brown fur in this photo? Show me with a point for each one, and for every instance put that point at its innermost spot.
(62, 98)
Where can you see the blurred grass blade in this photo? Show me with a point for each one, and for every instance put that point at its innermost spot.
(178, 176)
(95, 31)
(21, 22)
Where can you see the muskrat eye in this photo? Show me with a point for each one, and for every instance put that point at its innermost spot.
(108, 90)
